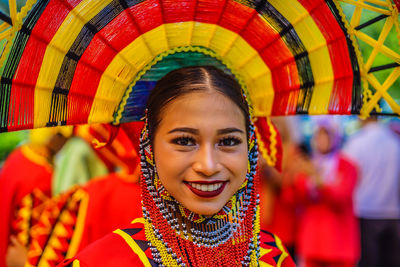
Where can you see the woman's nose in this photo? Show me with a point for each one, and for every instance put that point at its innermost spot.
(206, 161)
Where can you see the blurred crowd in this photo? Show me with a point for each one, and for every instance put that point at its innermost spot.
(337, 201)
(66, 188)
(334, 202)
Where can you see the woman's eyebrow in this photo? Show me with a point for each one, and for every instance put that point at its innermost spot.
(229, 130)
(196, 131)
(185, 129)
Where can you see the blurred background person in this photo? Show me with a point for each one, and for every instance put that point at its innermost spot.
(79, 161)
(25, 182)
(87, 212)
(328, 233)
(278, 203)
(376, 150)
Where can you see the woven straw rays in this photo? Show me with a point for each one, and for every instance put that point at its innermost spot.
(83, 61)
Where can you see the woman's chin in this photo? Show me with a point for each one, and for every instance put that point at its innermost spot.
(205, 209)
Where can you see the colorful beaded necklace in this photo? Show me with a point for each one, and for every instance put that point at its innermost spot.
(179, 237)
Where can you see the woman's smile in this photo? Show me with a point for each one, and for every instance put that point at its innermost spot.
(206, 189)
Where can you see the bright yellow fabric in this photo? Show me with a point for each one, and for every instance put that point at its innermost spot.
(55, 53)
(315, 44)
(135, 248)
(80, 223)
(36, 158)
(284, 254)
(264, 251)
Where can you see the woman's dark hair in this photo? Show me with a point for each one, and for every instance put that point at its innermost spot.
(185, 80)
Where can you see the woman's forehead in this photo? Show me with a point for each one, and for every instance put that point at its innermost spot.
(202, 109)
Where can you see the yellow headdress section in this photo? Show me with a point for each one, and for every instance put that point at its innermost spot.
(43, 135)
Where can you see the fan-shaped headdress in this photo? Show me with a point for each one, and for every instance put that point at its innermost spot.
(74, 62)
(68, 62)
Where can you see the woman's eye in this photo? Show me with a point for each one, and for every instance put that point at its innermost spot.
(230, 141)
(184, 141)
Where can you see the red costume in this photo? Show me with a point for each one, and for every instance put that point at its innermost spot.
(86, 213)
(25, 169)
(328, 230)
(81, 216)
(129, 247)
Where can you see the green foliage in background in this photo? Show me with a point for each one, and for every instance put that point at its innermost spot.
(5, 8)
(9, 141)
(392, 41)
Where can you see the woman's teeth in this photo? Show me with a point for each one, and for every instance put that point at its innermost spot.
(206, 187)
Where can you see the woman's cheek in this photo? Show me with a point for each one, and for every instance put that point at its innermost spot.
(237, 163)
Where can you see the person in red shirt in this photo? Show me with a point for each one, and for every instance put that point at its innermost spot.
(85, 213)
(328, 233)
(25, 182)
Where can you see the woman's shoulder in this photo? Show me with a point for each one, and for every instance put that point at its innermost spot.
(272, 251)
(122, 247)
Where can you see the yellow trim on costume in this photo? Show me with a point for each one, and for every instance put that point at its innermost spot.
(318, 53)
(36, 157)
(284, 254)
(150, 236)
(55, 54)
(264, 251)
(135, 248)
(24, 219)
(138, 220)
(80, 223)
(256, 233)
(242, 58)
(76, 263)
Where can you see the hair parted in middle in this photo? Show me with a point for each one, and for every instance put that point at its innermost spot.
(190, 79)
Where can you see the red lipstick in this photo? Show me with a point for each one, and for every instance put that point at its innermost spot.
(207, 194)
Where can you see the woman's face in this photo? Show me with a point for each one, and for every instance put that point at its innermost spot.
(200, 150)
(323, 141)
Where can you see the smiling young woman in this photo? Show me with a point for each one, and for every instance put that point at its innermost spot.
(204, 136)
(199, 186)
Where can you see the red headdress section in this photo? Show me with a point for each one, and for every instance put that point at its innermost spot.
(118, 147)
(269, 142)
